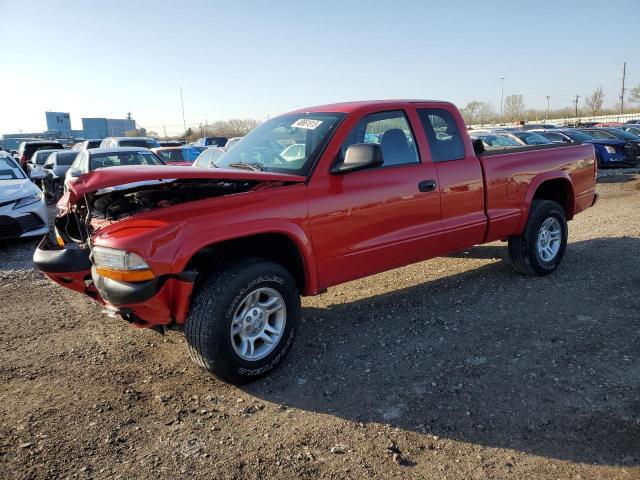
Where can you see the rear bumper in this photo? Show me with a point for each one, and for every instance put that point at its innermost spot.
(161, 301)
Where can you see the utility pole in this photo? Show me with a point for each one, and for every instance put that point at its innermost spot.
(548, 100)
(165, 131)
(624, 74)
(184, 123)
(576, 102)
(501, 95)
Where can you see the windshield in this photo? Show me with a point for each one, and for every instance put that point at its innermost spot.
(578, 136)
(600, 134)
(265, 148)
(41, 156)
(65, 158)
(180, 154)
(118, 159)
(622, 134)
(136, 143)
(9, 169)
(498, 141)
(532, 138)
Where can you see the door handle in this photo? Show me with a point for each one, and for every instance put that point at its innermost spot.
(427, 185)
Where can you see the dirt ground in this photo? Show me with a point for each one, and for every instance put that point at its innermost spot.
(453, 368)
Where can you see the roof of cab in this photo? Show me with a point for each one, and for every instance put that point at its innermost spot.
(350, 107)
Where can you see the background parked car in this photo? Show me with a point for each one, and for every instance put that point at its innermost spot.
(211, 142)
(111, 142)
(633, 122)
(22, 209)
(34, 166)
(177, 155)
(632, 129)
(539, 126)
(231, 142)
(633, 142)
(27, 149)
(208, 157)
(494, 141)
(96, 158)
(170, 143)
(86, 144)
(55, 169)
(608, 152)
(526, 137)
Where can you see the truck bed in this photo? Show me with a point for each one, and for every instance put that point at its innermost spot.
(509, 176)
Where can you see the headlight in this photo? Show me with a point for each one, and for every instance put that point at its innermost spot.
(610, 149)
(24, 201)
(121, 265)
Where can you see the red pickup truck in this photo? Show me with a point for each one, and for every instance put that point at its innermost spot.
(226, 252)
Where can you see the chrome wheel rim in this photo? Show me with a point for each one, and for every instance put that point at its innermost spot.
(258, 324)
(549, 239)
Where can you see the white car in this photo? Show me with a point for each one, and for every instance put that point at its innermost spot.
(23, 212)
(293, 152)
(207, 159)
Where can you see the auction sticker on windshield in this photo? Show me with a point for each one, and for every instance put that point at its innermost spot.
(307, 123)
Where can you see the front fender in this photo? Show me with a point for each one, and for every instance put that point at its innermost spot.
(217, 234)
(531, 192)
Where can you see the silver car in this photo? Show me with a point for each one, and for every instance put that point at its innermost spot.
(55, 169)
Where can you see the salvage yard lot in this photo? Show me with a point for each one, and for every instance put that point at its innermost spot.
(453, 368)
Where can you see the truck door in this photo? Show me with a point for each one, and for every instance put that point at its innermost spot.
(460, 175)
(367, 221)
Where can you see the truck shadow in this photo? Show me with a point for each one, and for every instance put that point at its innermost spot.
(548, 366)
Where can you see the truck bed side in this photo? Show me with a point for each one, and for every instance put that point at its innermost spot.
(512, 180)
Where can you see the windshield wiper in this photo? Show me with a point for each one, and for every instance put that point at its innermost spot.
(256, 167)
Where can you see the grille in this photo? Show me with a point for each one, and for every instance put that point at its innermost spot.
(14, 227)
(632, 153)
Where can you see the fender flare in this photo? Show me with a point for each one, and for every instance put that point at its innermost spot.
(533, 188)
(293, 232)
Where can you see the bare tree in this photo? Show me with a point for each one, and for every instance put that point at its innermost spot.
(485, 113)
(513, 107)
(477, 112)
(594, 101)
(634, 94)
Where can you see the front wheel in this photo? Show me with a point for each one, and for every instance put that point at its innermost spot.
(541, 246)
(243, 320)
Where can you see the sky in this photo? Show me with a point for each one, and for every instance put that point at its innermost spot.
(257, 59)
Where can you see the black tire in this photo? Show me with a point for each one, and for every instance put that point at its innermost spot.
(208, 326)
(522, 249)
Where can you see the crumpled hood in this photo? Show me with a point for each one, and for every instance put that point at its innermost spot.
(115, 176)
(15, 189)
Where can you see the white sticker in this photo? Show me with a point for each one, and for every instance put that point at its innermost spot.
(307, 123)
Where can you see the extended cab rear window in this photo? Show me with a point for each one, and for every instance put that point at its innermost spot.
(443, 135)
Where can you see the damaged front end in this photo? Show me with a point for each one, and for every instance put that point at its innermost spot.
(118, 279)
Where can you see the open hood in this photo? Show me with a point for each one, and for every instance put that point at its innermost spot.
(118, 176)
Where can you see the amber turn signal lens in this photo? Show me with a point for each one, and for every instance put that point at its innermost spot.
(126, 275)
(59, 240)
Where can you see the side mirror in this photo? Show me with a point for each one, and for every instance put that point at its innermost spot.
(359, 157)
(75, 173)
(478, 146)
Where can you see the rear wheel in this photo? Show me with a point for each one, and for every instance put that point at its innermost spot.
(243, 320)
(541, 246)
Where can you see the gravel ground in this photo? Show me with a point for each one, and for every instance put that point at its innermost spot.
(453, 368)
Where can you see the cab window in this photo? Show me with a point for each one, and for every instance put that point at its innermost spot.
(443, 135)
(391, 131)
